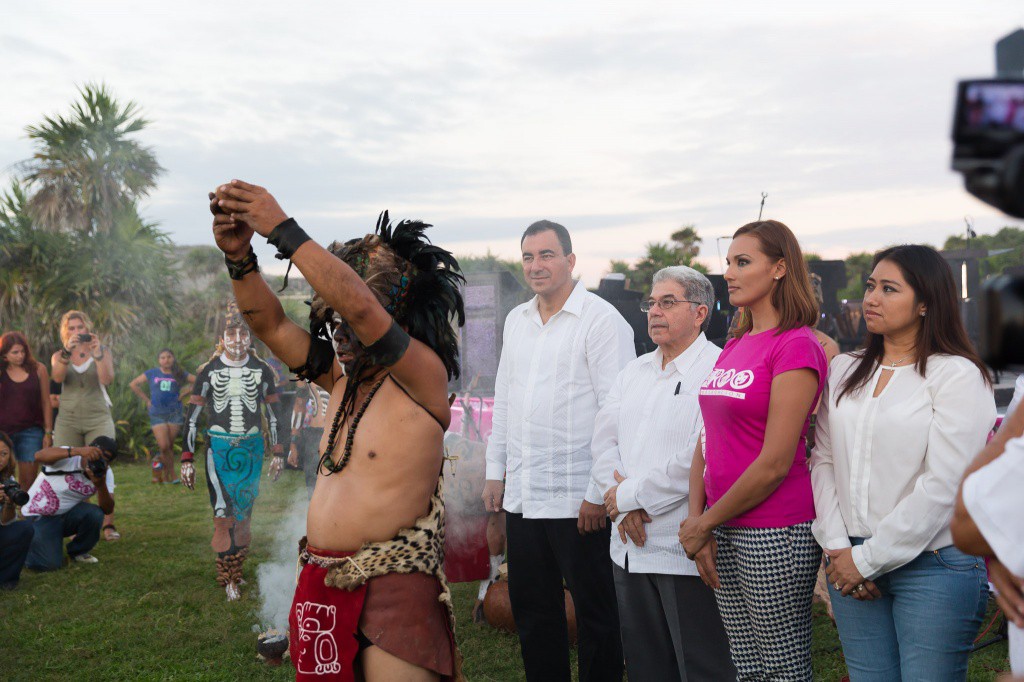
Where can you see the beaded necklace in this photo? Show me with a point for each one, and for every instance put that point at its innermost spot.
(339, 417)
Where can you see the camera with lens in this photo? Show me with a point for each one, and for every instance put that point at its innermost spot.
(85, 338)
(98, 467)
(14, 492)
(988, 150)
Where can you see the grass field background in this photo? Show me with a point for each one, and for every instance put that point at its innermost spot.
(150, 610)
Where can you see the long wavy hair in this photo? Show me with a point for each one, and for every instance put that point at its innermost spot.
(941, 330)
(177, 371)
(9, 341)
(792, 296)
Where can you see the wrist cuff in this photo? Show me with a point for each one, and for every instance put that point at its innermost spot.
(186, 457)
(287, 237)
(237, 269)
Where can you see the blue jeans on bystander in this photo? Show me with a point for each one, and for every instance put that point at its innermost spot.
(84, 521)
(923, 626)
(15, 539)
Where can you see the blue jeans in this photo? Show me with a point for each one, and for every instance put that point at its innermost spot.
(15, 539)
(27, 443)
(923, 626)
(84, 521)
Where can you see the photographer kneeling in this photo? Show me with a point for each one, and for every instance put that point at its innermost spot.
(15, 536)
(70, 476)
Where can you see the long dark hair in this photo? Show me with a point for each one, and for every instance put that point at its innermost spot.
(179, 374)
(941, 331)
(7, 471)
(9, 341)
(792, 295)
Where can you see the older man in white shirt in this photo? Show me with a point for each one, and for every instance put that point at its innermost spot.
(560, 355)
(643, 445)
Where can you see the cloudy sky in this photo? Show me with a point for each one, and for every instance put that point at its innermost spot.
(622, 121)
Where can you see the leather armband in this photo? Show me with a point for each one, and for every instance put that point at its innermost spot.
(288, 237)
(319, 360)
(388, 349)
(237, 269)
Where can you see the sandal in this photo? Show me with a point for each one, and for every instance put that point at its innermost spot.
(110, 533)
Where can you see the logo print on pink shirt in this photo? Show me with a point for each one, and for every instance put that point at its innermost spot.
(742, 379)
(79, 486)
(45, 501)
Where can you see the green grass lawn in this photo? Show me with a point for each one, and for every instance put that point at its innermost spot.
(150, 610)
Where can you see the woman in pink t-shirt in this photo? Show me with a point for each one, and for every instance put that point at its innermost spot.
(753, 542)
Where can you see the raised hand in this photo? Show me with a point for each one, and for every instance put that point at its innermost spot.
(252, 205)
(233, 238)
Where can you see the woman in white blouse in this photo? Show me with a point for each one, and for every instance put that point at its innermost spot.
(899, 423)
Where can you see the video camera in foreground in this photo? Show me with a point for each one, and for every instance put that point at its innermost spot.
(988, 149)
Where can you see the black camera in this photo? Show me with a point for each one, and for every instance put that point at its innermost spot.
(85, 338)
(98, 467)
(14, 492)
(988, 149)
(988, 141)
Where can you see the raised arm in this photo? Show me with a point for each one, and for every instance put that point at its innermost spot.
(419, 369)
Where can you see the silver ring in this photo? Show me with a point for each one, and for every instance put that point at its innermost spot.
(836, 585)
(860, 588)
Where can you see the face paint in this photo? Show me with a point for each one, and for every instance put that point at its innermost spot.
(346, 346)
(236, 342)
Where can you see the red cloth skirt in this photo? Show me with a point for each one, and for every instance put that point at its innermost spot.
(398, 612)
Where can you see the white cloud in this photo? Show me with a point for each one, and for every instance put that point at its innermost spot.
(621, 121)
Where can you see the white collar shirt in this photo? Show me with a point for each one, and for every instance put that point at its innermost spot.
(552, 379)
(647, 431)
(887, 468)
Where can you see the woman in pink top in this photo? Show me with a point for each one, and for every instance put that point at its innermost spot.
(753, 541)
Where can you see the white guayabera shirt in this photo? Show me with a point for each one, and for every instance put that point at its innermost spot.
(552, 379)
(647, 431)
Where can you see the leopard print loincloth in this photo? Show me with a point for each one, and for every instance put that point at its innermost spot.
(416, 549)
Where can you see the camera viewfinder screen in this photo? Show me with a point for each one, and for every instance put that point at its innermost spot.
(989, 106)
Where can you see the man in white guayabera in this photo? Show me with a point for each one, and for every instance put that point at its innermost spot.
(560, 355)
(644, 439)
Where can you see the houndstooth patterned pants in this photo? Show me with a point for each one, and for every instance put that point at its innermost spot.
(767, 578)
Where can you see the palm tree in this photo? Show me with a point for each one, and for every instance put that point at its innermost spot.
(86, 167)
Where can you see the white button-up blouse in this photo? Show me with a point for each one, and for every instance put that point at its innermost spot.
(887, 468)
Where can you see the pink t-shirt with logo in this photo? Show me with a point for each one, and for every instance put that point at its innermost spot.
(734, 403)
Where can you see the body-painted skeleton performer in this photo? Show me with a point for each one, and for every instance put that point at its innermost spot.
(382, 339)
(233, 388)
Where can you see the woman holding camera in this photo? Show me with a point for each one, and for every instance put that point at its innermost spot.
(899, 423)
(15, 536)
(84, 367)
(25, 412)
(166, 382)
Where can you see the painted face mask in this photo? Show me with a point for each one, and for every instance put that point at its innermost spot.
(237, 342)
(417, 283)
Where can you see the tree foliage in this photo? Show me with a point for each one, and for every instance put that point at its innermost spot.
(1008, 242)
(682, 248)
(88, 168)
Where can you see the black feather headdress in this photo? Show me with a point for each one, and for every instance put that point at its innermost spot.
(416, 282)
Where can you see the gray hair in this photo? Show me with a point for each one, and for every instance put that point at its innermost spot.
(697, 287)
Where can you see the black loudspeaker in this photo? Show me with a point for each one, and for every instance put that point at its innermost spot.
(833, 278)
(612, 288)
(489, 297)
(721, 313)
